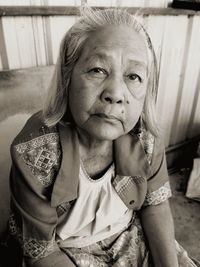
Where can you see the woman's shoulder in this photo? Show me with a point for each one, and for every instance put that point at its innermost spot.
(34, 128)
(36, 150)
(35, 133)
(37, 145)
(153, 147)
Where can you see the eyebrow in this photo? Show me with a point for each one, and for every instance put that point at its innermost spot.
(104, 57)
(99, 56)
(138, 63)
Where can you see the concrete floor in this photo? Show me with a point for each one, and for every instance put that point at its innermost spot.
(186, 213)
(21, 94)
(8, 130)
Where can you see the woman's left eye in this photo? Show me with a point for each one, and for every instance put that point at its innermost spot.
(134, 77)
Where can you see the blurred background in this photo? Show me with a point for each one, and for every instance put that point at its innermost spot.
(30, 34)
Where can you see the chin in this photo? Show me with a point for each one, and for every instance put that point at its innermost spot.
(107, 135)
(104, 131)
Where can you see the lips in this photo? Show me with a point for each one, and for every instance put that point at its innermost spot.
(107, 116)
(109, 113)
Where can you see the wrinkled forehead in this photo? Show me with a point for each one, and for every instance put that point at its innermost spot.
(111, 37)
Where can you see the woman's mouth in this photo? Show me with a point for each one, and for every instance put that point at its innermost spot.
(107, 117)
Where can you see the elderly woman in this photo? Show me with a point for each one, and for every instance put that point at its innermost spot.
(89, 181)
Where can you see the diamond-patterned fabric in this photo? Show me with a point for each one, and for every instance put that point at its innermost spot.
(41, 155)
(31, 247)
(158, 196)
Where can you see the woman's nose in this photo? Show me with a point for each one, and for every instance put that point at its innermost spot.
(113, 92)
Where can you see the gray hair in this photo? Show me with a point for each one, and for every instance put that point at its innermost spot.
(56, 106)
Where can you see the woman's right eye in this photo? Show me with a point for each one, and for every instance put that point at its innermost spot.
(98, 72)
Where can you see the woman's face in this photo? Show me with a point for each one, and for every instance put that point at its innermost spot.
(109, 82)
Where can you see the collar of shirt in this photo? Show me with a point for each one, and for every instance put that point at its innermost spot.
(129, 157)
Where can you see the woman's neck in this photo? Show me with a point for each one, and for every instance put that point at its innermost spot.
(96, 155)
(90, 143)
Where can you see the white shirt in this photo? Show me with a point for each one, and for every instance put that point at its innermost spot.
(98, 212)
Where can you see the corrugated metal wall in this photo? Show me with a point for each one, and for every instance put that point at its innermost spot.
(34, 41)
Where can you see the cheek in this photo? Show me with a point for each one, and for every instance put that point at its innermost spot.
(81, 102)
(133, 112)
(85, 95)
(139, 92)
